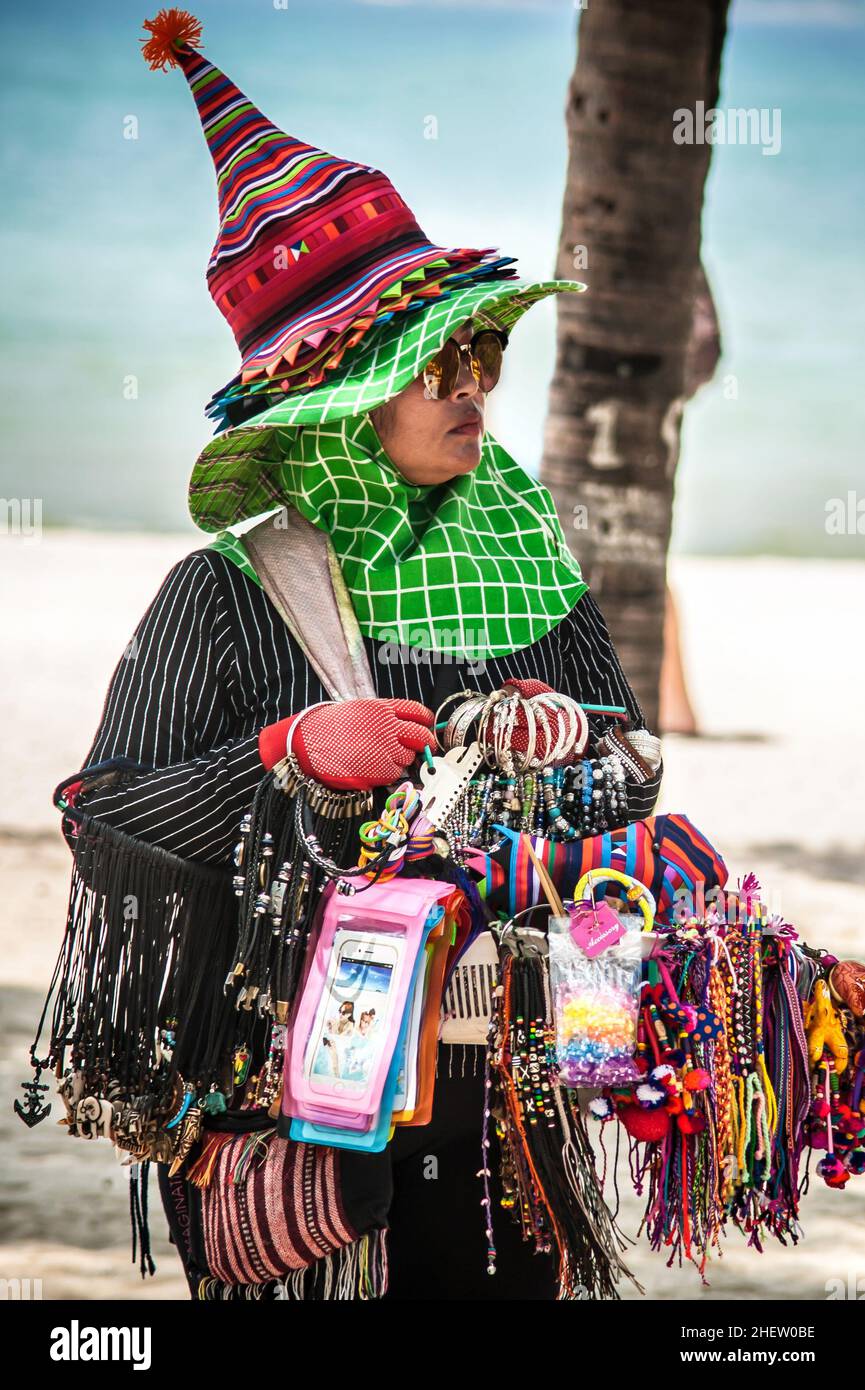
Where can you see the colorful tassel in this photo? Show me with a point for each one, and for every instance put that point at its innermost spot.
(201, 1172)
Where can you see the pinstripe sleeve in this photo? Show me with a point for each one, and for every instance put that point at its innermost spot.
(594, 673)
(173, 709)
(592, 658)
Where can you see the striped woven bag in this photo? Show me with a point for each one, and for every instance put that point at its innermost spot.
(274, 1219)
(667, 853)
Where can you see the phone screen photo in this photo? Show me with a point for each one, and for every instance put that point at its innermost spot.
(351, 1022)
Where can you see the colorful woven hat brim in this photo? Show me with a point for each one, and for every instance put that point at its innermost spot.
(305, 363)
(312, 249)
(328, 318)
(237, 474)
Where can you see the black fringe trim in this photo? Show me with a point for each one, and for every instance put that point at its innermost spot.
(149, 938)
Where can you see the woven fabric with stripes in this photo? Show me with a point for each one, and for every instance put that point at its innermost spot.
(281, 1214)
(312, 249)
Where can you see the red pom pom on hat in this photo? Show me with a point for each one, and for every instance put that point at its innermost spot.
(167, 30)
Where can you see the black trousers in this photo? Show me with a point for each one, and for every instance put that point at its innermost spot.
(437, 1243)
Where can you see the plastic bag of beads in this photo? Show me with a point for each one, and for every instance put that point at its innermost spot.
(595, 961)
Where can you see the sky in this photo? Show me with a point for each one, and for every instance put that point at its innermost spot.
(112, 346)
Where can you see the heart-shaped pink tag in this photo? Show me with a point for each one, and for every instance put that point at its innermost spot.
(594, 926)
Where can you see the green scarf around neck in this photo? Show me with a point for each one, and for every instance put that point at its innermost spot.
(476, 567)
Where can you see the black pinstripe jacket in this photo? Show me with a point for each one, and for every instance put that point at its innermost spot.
(212, 663)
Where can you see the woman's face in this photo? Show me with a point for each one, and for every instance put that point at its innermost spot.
(430, 441)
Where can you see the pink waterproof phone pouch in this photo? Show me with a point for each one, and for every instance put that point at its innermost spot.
(595, 927)
(347, 1020)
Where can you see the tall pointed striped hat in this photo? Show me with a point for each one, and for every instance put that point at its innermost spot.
(312, 250)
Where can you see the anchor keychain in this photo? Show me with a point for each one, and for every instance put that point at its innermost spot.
(33, 1112)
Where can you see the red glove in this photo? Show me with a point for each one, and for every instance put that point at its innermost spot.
(529, 687)
(353, 745)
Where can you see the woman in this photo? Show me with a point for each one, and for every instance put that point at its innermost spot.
(368, 356)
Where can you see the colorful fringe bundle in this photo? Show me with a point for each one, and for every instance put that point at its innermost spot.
(548, 1173)
(739, 1041)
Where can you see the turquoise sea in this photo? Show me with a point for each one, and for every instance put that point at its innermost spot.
(112, 345)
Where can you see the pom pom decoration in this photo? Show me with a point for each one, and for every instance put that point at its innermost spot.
(645, 1126)
(601, 1109)
(167, 30)
(832, 1171)
(691, 1123)
(662, 1073)
(651, 1097)
(697, 1080)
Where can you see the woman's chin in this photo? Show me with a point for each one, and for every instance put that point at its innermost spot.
(465, 454)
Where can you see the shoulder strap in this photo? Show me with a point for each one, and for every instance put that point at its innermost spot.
(300, 573)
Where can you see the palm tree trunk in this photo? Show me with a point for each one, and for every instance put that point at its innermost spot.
(626, 350)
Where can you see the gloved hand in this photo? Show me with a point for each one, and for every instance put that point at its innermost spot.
(528, 687)
(353, 745)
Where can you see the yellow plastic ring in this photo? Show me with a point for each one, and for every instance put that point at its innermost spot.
(636, 891)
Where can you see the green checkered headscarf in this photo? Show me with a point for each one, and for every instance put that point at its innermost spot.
(477, 565)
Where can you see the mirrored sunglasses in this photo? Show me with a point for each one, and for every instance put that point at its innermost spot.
(442, 372)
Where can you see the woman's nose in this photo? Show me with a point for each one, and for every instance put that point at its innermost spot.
(466, 385)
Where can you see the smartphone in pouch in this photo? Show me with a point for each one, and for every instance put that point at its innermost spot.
(352, 1022)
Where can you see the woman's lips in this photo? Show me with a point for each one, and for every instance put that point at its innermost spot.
(468, 427)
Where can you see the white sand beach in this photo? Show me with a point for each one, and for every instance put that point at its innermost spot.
(776, 665)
